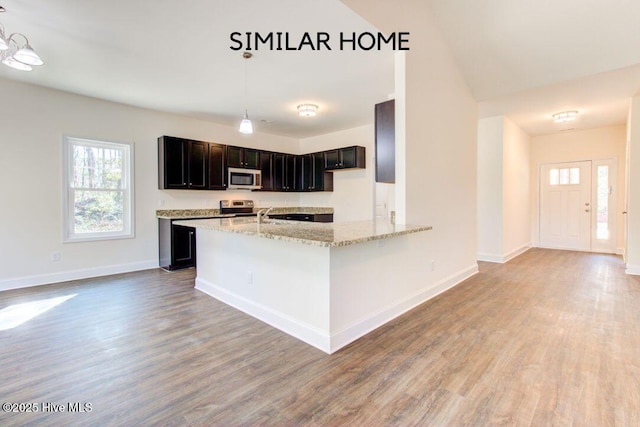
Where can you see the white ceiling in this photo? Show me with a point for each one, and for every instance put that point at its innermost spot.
(523, 59)
(175, 56)
(529, 59)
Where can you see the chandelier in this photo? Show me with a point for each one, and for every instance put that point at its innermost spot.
(16, 52)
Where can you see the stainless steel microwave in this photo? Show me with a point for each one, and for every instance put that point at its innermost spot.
(245, 179)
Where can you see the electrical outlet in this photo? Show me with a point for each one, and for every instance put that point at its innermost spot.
(249, 277)
(55, 256)
(161, 202)
(433, 265)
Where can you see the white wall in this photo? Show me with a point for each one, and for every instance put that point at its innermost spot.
(490, 191)
(437, 112)
(516, 191)
(632, 254)
(504, 224)
(34, 122)
(599, 143)
(353, 190)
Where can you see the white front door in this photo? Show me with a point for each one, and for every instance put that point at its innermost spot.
(565, 205)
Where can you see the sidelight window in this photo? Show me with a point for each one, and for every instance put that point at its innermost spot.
(98, 190)
(604, 190)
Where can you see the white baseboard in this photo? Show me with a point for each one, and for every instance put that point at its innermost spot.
(505, 257)
(633, 270)
(511, 255)
(481, 256)
(620, 251)
(325, 340)
(64, 276)
(364, 326)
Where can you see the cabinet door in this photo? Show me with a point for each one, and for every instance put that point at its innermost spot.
(385, 142)
(278, 172)
(307, 172)
(317, 182)
(217, 167)
(183, 241)
(198, 164)
(332, 159)
(172, 162)
(251, 159)
(293, 178)
(234, 157)
(266, 167)
(312, 172)
(348, 157)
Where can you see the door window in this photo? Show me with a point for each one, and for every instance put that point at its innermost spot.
(564, 176)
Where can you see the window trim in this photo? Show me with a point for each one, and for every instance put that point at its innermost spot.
(68, 236)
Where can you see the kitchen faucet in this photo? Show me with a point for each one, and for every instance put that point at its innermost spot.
(263, 214)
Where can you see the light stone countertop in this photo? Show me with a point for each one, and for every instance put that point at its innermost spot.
(311, 233)
(208, 213)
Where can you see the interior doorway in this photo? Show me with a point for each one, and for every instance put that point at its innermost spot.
(577, 202)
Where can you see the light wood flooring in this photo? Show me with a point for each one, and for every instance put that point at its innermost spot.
(550, 338)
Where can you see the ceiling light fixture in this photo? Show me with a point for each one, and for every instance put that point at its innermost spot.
(565, 116)
(307, 110)
(15, 55)
(245, 124)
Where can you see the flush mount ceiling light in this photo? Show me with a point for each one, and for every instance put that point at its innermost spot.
(20, 56)
(307, 110)
(245, 124)
(565, 116)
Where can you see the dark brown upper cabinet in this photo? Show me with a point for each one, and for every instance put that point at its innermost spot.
(345, 158)
(314, 176)
(286, 172)
(199, 165)
(266, 167)
(217, 167)
(238, 157)
(385, 142)
(182, 163)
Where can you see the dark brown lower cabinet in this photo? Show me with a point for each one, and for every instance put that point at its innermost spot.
(304, 217)
(177, 245)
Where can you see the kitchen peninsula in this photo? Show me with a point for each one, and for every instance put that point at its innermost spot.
(326, 284)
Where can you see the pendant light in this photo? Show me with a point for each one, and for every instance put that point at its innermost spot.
(245, 125)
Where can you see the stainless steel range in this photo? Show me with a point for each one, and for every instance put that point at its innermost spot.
(237, 207)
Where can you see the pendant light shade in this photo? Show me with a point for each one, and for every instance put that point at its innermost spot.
(11, 62)
(245, 124)
(27, 55)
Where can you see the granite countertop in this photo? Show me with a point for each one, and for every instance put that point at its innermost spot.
(210, 213)
(310, 233)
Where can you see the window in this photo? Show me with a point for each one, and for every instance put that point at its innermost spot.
(564, 176)
(98, 178)
(604, 190)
